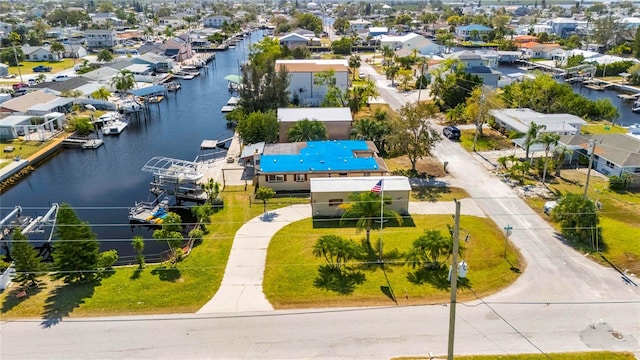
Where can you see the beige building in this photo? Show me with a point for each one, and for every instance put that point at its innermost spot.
(336, 120)
(328, 194)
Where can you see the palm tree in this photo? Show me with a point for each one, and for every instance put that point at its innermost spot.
(391, 73)
(57, 48)
(365, 207)
(307, 130)
(354, 63)
(559, 153)
(532, 137)
(138, 245)
(104, 55)
(123, 81)
(387, 54)
(548, 140)
(101, 94)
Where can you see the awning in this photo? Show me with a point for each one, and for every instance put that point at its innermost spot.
(149, 90)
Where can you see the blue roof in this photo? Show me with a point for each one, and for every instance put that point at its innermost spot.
(475, 27)
(323, 156)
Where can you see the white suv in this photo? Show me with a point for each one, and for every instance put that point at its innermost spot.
(60, 78)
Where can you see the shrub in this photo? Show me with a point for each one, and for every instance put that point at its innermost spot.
(107, 259)
(617, 183)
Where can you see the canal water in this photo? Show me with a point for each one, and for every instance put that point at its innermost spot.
(102, 184)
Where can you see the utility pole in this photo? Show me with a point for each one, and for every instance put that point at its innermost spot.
(592, 148)
(454, 282)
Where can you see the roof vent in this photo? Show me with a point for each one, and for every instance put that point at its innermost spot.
(300, 160)
(275, 160)
(321, 161)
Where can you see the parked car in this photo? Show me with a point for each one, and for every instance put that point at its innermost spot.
(451, 132)
(34, 81)
(19, 86)
(20, 92)
(60, 78)
(548, 207)
(42, 68)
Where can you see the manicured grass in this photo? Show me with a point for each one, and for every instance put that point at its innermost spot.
(23, 149)
(26, 67)
(618, 217)
(157, 288)
(437, 193)
(598, 355)
(603, 129)
(291, 268)
(491, 140)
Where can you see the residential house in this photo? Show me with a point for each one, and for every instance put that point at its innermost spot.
(336, 120)
(615, 154)
(157, 63)
(74, 51)
(374, 31)
(288, 167)
(22, 104)
(46, 127)
(172, 21)
(473, 32)
(358, 25)
(545, 51)
(4, 70)
(418, 45)
(58, 87)
(520, 120)
(563, 27)
(5, 29)
(327, 194)
(107, 19)
(303, 88)
(216, 21)
(177, 49)
(480, 63)
(293, 40)
(101, 39)
(38, 53)
(10, 126)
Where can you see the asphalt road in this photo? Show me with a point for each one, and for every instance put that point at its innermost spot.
(562, 302)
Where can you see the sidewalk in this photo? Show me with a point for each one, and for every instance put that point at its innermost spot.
(241, 288)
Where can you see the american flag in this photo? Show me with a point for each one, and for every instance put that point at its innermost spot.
(377, 188)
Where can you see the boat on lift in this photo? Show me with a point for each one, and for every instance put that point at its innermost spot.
(114, 127)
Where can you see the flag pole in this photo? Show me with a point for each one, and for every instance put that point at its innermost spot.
(381, 218)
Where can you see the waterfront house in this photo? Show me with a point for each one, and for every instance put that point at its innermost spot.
(21, 104)
(327, 194)
(545, 51)
(177, 49)
(473, 32)
(303, 89)
(336, 120)
(289, 167)
(520, 120)
(158, 63)
(481, 64)
(74, 51)
(293, 40)
(615, 154)
(10, 126)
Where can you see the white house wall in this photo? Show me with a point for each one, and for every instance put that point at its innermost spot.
(327, 204)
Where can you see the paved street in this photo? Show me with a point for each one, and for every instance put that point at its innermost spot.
(562, 302)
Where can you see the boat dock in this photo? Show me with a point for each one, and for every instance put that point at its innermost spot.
(84, 143)
(232, 103)
(149, 212)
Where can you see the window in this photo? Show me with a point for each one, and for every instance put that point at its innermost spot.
(342, 174)
(335, 202)
(610, 164)
(366, 174)
(301, 177)
(275, 178)
(637, 170)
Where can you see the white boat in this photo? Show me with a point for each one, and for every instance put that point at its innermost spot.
(129, 105)
(114, 127)
(634, 129)
(107, 117)
(636, 106)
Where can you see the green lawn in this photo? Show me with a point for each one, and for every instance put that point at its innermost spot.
(22, 148)
(437, 193)
(26, 67)
(155, 289)
(596, 355)
(291, 267)
(603, 129)
(618, 217)
(491, 140)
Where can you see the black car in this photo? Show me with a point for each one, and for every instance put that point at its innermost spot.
(451, 132)
(42, 68)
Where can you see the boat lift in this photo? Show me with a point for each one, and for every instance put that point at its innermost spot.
(30, 225)
(176, 177)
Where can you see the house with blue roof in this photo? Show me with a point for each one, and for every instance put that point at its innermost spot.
(473, 32)
(289, 167)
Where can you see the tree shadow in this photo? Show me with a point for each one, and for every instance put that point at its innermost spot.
(429, 193)
(171, 274)
(436, 277)
(64, 299)
(342, 281)
(18, 295)
(136, 274)
(269, 216)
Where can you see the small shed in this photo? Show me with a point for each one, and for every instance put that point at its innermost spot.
(327, 194)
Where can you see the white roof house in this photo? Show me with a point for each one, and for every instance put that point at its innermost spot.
(320, 114)
(520, 120)
(328, 193)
